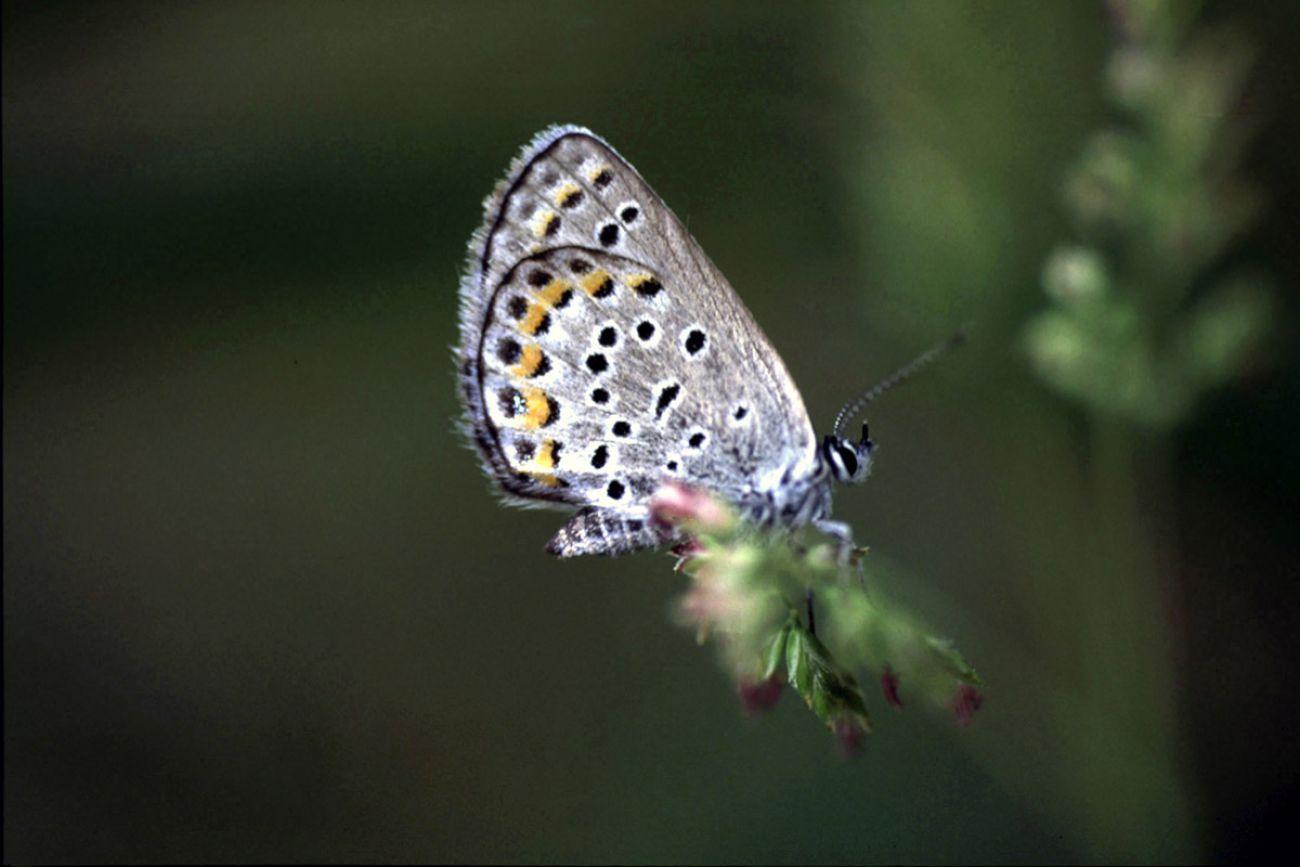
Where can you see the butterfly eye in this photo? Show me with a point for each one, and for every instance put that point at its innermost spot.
(848, 460)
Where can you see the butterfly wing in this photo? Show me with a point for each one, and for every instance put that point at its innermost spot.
(601, 350)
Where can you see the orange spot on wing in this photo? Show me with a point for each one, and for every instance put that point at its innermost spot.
(552, 291)
(539, 469)
(537, 410)
(542, 224)
(565, 192)
(529, 361)
(533, 321)
(595, 280)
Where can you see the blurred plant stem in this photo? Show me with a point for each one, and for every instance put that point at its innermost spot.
(1136, 778)
(1134, 336)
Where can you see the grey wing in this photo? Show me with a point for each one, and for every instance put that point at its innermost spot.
(602, 350)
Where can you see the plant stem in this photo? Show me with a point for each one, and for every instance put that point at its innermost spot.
(1129, 747)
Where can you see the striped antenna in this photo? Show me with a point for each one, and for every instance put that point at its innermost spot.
(853, 407)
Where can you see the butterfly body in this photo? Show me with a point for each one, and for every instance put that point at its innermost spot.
(602, 353)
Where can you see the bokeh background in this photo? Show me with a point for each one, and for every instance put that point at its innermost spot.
(259, 603)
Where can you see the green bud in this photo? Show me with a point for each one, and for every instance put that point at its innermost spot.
(1074, 275)
(1226, 326)
(1134, 76)
(1103, 187)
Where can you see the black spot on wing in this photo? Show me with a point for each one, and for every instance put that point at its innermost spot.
(666, 397)
(605, 289)
(649, 288)
(511, 402)
(508, 350)
(694, 341)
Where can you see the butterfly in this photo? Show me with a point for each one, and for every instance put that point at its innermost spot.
(601, 354)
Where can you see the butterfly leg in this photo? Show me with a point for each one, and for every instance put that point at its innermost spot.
(847, 551)
(837, 530)
(596, 531)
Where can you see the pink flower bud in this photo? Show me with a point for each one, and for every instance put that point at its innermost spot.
(848, 733)
(675, 503)
(965, 702)
(889, 686)
(761, 695)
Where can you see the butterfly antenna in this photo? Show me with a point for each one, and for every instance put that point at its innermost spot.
(853, 407)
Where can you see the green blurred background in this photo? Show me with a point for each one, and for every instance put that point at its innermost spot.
(259, 603)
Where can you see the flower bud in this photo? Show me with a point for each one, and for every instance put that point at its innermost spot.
(849, 735)
(889, 686)
(676, 504)
(965, 702)
(1133, 76)
(1075, 274)
(759, 696)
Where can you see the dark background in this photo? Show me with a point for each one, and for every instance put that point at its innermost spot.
(259, 603)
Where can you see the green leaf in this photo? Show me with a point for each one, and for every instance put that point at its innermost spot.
(823, 698)
(953, 661)
(798, 671)
(775, 652)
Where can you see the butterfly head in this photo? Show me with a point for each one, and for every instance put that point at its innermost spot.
(849, 461)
